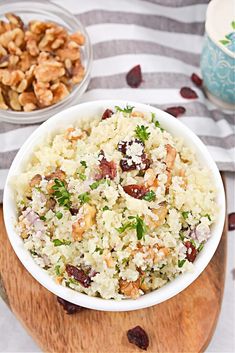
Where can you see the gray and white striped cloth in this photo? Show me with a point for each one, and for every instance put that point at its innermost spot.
(165, 37)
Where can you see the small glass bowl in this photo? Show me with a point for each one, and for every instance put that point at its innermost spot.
(44, 10)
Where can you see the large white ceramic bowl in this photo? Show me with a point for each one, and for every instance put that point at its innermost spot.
(60, 121)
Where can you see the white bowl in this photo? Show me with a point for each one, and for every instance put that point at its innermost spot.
(60, 121)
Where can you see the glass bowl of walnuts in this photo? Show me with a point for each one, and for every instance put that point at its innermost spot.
(45, 60)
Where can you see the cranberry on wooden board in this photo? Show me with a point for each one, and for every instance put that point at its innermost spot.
(107, 114)
(196, 79)
(188, 93)
(134, 77)
(139, 337)
(79, 275)
(176, 111)
(231, 221)
(136, 191)
(70, 308)
(191, 252)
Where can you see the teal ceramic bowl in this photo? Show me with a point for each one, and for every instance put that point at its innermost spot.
(218, 55)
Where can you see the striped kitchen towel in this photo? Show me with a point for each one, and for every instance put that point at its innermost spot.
(165, 37)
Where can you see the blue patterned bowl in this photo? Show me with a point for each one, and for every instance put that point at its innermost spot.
(218, 56)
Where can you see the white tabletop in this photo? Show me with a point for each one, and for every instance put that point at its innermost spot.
(14, 338)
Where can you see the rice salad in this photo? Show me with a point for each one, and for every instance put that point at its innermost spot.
(115, 206)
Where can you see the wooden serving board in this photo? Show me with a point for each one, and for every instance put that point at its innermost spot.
(184, 323)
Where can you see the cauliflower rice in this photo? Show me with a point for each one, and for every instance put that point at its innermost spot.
(115, 206)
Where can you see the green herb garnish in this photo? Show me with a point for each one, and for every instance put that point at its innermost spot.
(193, 243)
(99, 182)
(43, 218)
(156, 122)
(137, 224)
(181, 263)
(185, 214)
(58, 242)
(59, 215)
(125, 226)
(208, 216)
(57, 270)
(105, 208)
(127, 110)
(141, 132)
(125, 260)
(61, 193)
(83, 163)
(150, 196)
(201, 246)
(182, 236)
(97, 249)
(84, 198)
(82, 176)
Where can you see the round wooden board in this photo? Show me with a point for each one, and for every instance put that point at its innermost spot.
(184, 323)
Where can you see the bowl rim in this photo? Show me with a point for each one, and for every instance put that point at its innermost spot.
(155, 297)
(23, 117)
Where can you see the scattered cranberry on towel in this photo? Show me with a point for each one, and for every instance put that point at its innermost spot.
(138, 337)
(188, 93)
(134, 77)
(196, 79)
(176, 111)
(231, 221)
(70, 308)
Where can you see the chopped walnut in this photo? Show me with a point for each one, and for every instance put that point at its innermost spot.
(86, 220)
(36, 180)
(160, 214)
(41, 58)
(2, 101)
(130, 289)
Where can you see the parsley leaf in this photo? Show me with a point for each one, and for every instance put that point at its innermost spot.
(201, 246)
(82, 176)
(125, 226)
(208, 216)
(156, 122)
(137, 224)
(58, 242)
(57, 270)
(141, 132)
(127, 110)
(61, 193)
(105, 208)
(185, 214)
(181, 263)
(43, 218)
(140, 228)
(84, 198)
(150, 196)
(59, 215)
(83, 163)
(97, 183)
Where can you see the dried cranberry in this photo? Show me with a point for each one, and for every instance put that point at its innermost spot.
(146, 161)
(176, 111)
(70, 308)
(231, 221)
(107, 169)
(122, 145)
(79, 275)
(191, 252)
(107, 114)
(189, 93)
(134, 77)
(126, 167)
(136, 191)
(196, 79)
(73, 211)
(138, 337)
